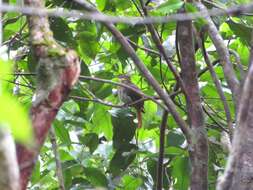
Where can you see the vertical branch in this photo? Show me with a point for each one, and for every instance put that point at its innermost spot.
(219, 88)
(199, 149)
(160, 169)
(54, 82)
(239, 170)
(57, 158)
(223, 52)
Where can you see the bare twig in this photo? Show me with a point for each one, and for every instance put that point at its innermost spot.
(125, 86)
(238, 62)
(218, 87)
(57, 158)
(143, 48)
(160, 170)
(157, 41)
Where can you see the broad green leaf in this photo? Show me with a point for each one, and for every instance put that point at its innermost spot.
(175, 139)
(122, 159)
(170, 6)
(130, 182)
(181, 173)
(20, 125)
(88, 44)
(61, 31)
(241, 30)
(102, 122)
(123, 127)
(62, 132)
(91, 140)
(96, 177)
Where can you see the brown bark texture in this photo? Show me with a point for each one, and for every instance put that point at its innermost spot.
(239, 170)
(61, 71)
(198, 147)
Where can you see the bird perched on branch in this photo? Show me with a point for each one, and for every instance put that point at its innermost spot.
(129, 97)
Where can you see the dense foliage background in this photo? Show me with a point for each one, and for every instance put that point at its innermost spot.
(99, 145)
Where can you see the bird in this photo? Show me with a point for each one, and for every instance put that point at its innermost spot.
(129, 96)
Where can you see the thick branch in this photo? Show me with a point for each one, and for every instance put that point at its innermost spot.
(199, 149)
(239, 170)
(61, 72)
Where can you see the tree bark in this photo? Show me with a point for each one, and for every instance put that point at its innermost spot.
(198, 149)
(57, 75)
(239, 169)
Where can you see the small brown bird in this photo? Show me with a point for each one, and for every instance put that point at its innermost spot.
(129, 96)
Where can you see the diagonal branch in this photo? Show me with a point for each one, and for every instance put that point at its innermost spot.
(223, 52)
(142, 68)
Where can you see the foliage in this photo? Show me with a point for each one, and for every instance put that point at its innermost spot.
(20, 126)
(99, 145)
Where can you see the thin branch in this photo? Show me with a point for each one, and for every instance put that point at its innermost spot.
(57, 158)
(160, 169)
(238, 62)
(157, 41)
(214, 120)
(145, 49)
(218, 87)
(125, 86)
(233, 10)
(203, 71)
(97, 100)
(223, 52)
(82, 77)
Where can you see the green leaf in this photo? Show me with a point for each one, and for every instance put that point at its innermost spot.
(62, 132)
(61, 31)
(180, 172)
(170, 6)
(130, 182)
(101, 4)
(88, 44)
(122, 159)
(96, 177)
(91, 140)
(241, 30)
(36, 173)
(123, 127)
(102, 121)
(175, 139)
(20, 125)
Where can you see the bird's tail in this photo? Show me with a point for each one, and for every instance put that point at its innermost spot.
(139, 118)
